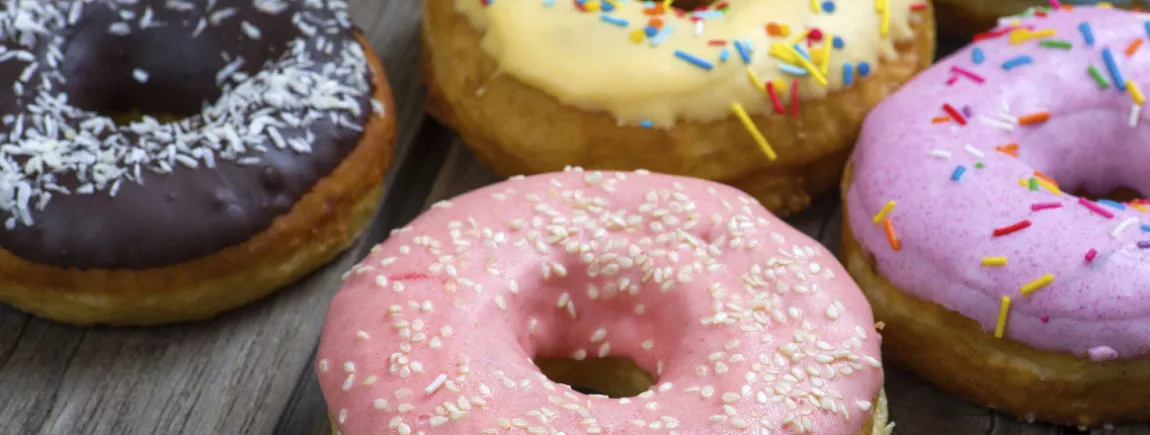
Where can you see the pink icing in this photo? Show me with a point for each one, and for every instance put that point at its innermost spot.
(749, 325)
(1100, 295)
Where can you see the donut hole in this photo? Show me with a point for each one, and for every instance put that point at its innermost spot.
(690, 5)
(1118, 194)
(613, 377)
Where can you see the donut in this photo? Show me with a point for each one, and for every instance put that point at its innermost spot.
(682, 305)
(167, 160)
(993, 220)
(765, 96)
(970, 17)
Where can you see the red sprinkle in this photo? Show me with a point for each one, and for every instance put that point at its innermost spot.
(961, 120)
(1096, 208)
(999, 32)
(1045, 319)
(815, 35)
(1045, 206)
(952, 80)
(795, 98)
(998, 232)
(918, 7)
(775, 98)
(968, 74)
(717, 42)
(1090, 255)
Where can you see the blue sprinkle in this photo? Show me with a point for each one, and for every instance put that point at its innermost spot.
(828, 7)
(848, 74)
(690, 58)
(707, 15)
(1115, 73)
(977, 56)
(743, 52)
(792, 69)
(650, 31)
(957, 174)
(606, 7)
(1147, 26)
(864, 69)
(1087, 34)
(838, 43)
(1113, 204)
(663, 34)
(548, 3)
(724, 55)
(1146, 228)
(613, 20)
(646, 124)
(802, 52)
(1017, 62)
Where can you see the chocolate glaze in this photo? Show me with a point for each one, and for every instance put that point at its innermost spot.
(187, 213)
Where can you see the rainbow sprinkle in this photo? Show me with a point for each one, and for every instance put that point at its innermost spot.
(1112, 67)
(692, 59)
(1095, 208)
(994, 261)
(1017, 62)
(957, 174)
(1098, 77)
(1087, 33)
(1003, 310)
(886, 209)
(754, 131)
(1037, 284)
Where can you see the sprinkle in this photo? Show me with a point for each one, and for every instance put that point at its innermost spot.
(961, 120)
(1118, 230)
(1135, 92)
(891, 237)
(825, 61)
(1098, 78)
(968, 74)
(848, 74)
(1146, 25)
(974, 151)
(664, 33)
(1135, 115)
(1065, 45)
(614, 20)
(646, 124)
(775, 98)
(1143, 244)
(1003, 310)
(1112, 204)
(744, 53)
(795, 98)
(1033, 118)
(1047, 184)
(996, 123)
(999, 232)
(1090, 255)
(864, 69)
(884, 28)
(724, 55)
(810, 67)
(754, 131)
(1087, 33)
(977, 56)
(1008, 149)
(140, 75)
(815, 7)
(1045, 205)
(1037, 284)
(957, 174)
(993, 261)
(828, 6)
(878, 217)
(1023, 34)
(940, 154)
(1032, 183)
(435, 384)
(838, 43)
(940, 120)
(791, 69)
(754, 78)
(1017, 62)
(1133, 47)
(1112, 67)
(1095, 208)
(693, 60)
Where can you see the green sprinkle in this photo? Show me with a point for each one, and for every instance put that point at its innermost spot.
(979, 165)
(1054, 44)
(1033, 184)
(1098, 77)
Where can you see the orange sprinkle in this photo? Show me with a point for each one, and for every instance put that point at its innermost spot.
(656, 23)
(1133, 47)
(1045, 177)
(1008, 149)
(940, 119)
(1138, 206)
(1033, 118)
(654, 10)
(773, 29)
(890, 235)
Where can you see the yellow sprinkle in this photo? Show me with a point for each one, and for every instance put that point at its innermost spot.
(1021, 35)
(592, 6)
(755, 80)
(1135, 92)
(638, 36)
(815, 6)
(755, 133)
(1037, 284)
(885, 28)
(879, 5)
(798, 37)
(780, 86)
(878, 217)
(1003, 310)
(667, 3)
(784, 30)
(780, 51)
(825, 62)
(1023, 182)
(810, 67)
(1138, 206)
(1105, 5)
(1046, 185)
(993, 261)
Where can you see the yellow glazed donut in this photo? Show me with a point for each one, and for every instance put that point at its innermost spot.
(766, 96)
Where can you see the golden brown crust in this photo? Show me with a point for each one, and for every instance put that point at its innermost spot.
(319, 226)
(953, 352)
(518, 129)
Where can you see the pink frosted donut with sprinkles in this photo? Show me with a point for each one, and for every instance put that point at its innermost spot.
(740, 323)
(993, 221)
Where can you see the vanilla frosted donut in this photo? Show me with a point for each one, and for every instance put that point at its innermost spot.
(763, 95)
(747, 325)
(966, 231)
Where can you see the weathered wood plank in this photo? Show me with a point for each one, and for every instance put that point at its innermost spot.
(231, 375)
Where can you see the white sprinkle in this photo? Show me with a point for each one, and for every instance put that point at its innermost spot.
(1135, 115)
(1123, 226)
(140, 75)
(974, 151)
(940, 154)
(438, 382)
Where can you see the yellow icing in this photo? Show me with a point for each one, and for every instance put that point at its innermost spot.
(586, 62)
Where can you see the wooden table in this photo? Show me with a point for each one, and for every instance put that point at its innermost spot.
(250, 371)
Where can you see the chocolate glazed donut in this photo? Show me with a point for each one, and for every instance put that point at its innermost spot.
(243, 108)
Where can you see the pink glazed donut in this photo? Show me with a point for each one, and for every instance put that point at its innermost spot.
(746, 325)
(994, 278)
